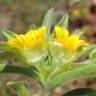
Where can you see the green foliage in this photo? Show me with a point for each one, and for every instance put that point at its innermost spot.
(8, 34)
(93, 54)
(70, 67)
(20, 87)
(78, 32)
(48, 21)
(65, 77)
(64, 21)
(12, 50)
(6, 68)
(5, 55)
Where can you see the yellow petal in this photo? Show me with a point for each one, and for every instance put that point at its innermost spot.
(58, 31)
(65, 32)
(30, 39)
(41, 29)
(79, 44)
(74, 38)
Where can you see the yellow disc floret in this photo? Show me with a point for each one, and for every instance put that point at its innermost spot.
(70, 42)
(30, 39)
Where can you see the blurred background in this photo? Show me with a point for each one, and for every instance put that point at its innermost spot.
(18, 15)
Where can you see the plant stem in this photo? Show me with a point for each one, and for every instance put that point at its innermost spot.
(46, 93)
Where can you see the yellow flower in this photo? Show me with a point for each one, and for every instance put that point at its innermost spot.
(30, 39)
(70, 42)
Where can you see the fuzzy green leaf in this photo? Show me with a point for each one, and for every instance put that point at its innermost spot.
(48, 21)
(5, 55)
(4, 45)
(8, 34)
(6, 68)
(14, 49)
(93, 54)
(78, 32)
(64, 21)
(63, 78)
(70, 67)
(20, 88)
(87, 50)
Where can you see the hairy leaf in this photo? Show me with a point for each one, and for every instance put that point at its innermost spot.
(6, 68)
(48, 21)
(63, 78)
(20, 88)
(78, 32)
(14, 49)
(8, 34)
(64, 21)
(5, 54)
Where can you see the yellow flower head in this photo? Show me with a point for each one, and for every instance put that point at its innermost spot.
(30, 39)
(70, 42)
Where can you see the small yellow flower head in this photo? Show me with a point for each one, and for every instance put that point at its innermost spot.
(70, 42)
(30, 39)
